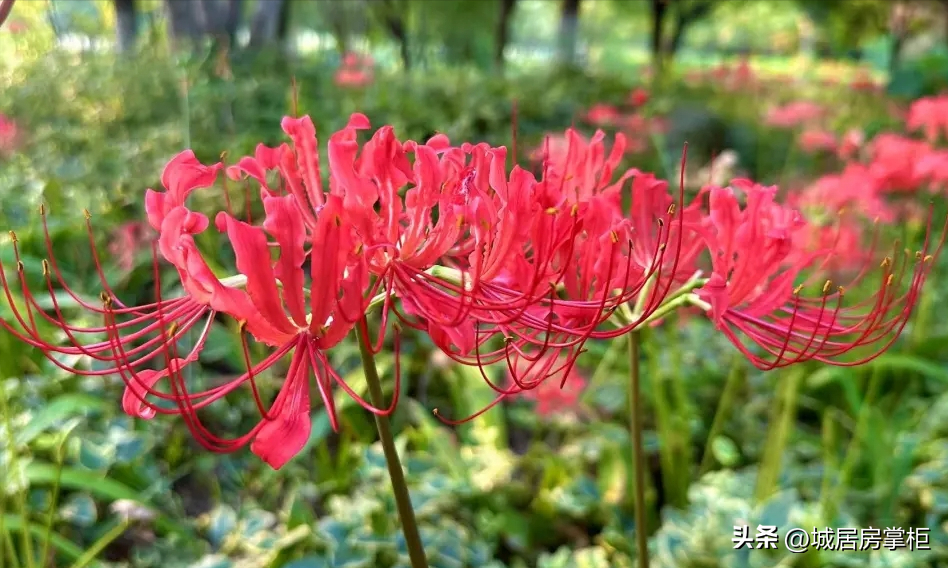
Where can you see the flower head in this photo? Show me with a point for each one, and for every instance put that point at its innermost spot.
(753, 291)
(929, 114)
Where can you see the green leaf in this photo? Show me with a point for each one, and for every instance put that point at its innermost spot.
(63, 545)
(60, 409)
(221, 522)
(98, 485)
(725, 451)
(80, 510)
(311, 561)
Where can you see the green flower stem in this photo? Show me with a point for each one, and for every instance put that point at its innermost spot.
(724, 409)
(667, 435)
(406, 514)
(638, 452)
(851, 457)
(98, 546)
(781, 423)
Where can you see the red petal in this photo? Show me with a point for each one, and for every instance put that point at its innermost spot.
(285, 222)
(253, 260)
(136, 390)
(280, 439)
(184, 173)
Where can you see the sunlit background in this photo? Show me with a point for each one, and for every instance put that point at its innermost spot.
(96, 96)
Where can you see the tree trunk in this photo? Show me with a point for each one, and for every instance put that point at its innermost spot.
(683, 19)
(503, 31)
(283, 26)
(677, 35)
(395, 25)
(185, 19)
(126, 25)
(898, 28)
(266, 22)
(569, 31)
(659, 11)
(235, 13)
(337, 16)
(944, 5)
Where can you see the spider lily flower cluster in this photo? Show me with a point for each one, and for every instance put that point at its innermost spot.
(496, 264)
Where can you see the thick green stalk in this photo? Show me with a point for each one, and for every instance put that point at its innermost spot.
(720, 415)
(851, 457)
(406, 514)
(668, 437)
(638, 451)
(781, 423)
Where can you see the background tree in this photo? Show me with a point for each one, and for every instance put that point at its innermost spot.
(569, 31)
(126, 24)
(502, 34)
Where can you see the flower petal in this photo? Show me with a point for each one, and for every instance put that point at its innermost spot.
(279, 440)
(253, 261)
(285, 222)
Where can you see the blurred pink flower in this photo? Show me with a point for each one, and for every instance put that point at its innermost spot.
(795, 114)
(813, 140)
(549, 397)
(854, 189)
(863, 81)
(638, 97)
(851, 143)
(127, 241)
(356, 71)
(9, 135)
(931, 115)
(553, 148)
(894, 159)
(933, 167)
(603, 115)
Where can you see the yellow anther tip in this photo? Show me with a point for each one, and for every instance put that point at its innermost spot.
(552, 210)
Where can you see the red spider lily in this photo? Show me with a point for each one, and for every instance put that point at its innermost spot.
(127, 241)
(929, 114)
(638, 97)
(814, 140)
(894, 162)
(273, 289)
(601, 114)
(356, 71)
(454, 212)
(752, 293)
(850, 144)
(559, 394)
(9, 135)
(792, 115)
(475, 253)
(854, 189)
(132, 336)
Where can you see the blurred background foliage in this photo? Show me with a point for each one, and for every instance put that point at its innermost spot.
(103, 93)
